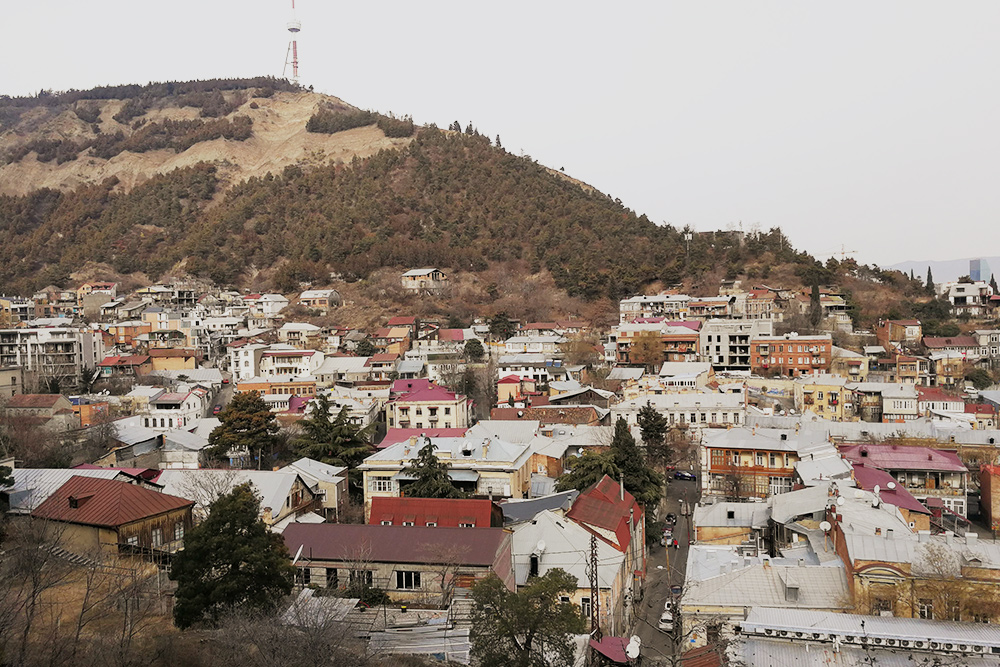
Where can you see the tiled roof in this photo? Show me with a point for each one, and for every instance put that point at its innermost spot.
(393, 544)
(105, 502)
(128, 360)
(402, 320)
(954, 341)
(431, 393)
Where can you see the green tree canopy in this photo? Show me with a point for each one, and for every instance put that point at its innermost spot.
(501, 328)
(644, 483)
(248, 425)
(979, 377)
(365, 348)
(654, 428)
(815, 309)
(474, 350)
(335, 441)
(527, 628)
(930, 281)
(588, 470)
(230, 561)
(431, 474)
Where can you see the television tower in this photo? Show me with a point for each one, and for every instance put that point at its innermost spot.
(292, 55)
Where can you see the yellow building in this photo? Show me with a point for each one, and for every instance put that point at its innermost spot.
(823, 395)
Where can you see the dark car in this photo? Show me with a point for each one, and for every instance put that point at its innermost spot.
(671, 518)
(684, 475)
(675, 589)
(217, 409)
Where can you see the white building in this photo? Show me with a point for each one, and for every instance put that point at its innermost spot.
(694, 410)
(60, 352)
(726, 343)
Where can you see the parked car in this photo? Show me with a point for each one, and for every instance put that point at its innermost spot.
(671, 518)
(217, 409)
(666, 623)
(675, 590)
(668, 533)
(225, 380)
(684, 475)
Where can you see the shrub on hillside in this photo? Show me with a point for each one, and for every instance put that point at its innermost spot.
(396, 127)
(326, 121)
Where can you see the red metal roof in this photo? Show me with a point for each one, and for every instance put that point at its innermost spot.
(612, 648)
(604, 506)
(402, 321)
(445, 512)
(105, 502)
(431, 393)
(393, 544)
(954, 341)
(128, 360)
(451, 334)
(980, 409)
(902, 457)
(868, 477)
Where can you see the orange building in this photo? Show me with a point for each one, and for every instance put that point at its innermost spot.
(790, 354)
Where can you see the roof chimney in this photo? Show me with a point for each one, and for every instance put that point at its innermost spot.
(949, 536)
(923, 536)
(970, 539)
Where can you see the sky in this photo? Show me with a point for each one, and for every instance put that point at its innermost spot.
(862, 128)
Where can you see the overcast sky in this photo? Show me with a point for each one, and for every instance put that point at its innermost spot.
(867, 125)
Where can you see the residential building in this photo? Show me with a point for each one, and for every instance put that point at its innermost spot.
(538, 367)
(488, 467)
(279, 386)
(884, 402)
(429, 279)
(897, 333)
(791, 354)
(300, 334)
(849, 364)
(741, 463)
(130, 366)
(61, 353)
(436, 512)
(53, 412)
(431, 406)
(922, 471)
(934, 400)
(971, 299)
(688, 409)
(11, 381)
(244, 359)
(412, 564)
(283, 361)
(948, 368)
(328, 484)
(126, 334)
(730, 523)
(172, 410)
(335, 369)
(989, 498)
(174, 359)
(320, 299)
(671, 306)
(534, 344)
(824, 395)
(550, 540)
(989, 345)
(108, 515)
(726, 344)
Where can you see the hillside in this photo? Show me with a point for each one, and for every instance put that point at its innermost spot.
(223, 180)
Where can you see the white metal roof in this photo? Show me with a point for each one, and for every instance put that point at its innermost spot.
(561, 542)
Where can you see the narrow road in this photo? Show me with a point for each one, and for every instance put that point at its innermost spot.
(665, 569)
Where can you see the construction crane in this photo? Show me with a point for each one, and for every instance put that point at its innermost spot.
(843, 252)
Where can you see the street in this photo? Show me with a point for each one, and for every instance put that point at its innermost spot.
(665, 568)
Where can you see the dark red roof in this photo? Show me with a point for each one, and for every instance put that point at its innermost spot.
(407, 386)
(393, 544)
(903, 457)
(431, 393)
(383, 357)
(954, 341)
(402, 321)
(445, 512)
(33, 400)
(612, 648)
(549, 414)
(604, 506)
(980, 409)
(105, 502)
(868, 477)
(451, 334)
(129, 360)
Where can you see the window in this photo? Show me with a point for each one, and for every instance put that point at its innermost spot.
(133, 540)
(774, 461)
(447, 411)
(382, 484)
(303, 576)
(564, 599)
(760, 460)
(881, 606)
(178, 531)
(407, 581)
(363, 577)
(387, 523)
(466, 525)
(332, 577)
(157, 537)
(407, 523)
(432, 524)
(925, 609)
(585, 607)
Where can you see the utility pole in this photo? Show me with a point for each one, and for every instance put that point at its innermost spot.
(595, 591)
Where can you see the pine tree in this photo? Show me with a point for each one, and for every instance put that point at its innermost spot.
(930, 281)
(654, 432)
(432, 480)
(993, 284)
(815, 309)
(334, 441)
(230, 562)
(247, 430)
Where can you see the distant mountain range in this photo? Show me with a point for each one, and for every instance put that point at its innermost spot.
(946, 270)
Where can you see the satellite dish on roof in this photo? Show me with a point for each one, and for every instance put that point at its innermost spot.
(632, 649)
(825, 526)
(891, 485)
(876, 489)
(540, 547)
(841, 500)
(298, 553)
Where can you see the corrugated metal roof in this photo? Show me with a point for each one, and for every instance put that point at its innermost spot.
(516, 511)
(109, 503)
(566, 546)
(202, 486)
(825, 588)
(445, 512)
(744, 514)
(393, 544)
(33, 485)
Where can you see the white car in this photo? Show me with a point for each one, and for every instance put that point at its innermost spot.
(666, 623)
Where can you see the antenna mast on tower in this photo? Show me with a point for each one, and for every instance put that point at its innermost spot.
(292, 55)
